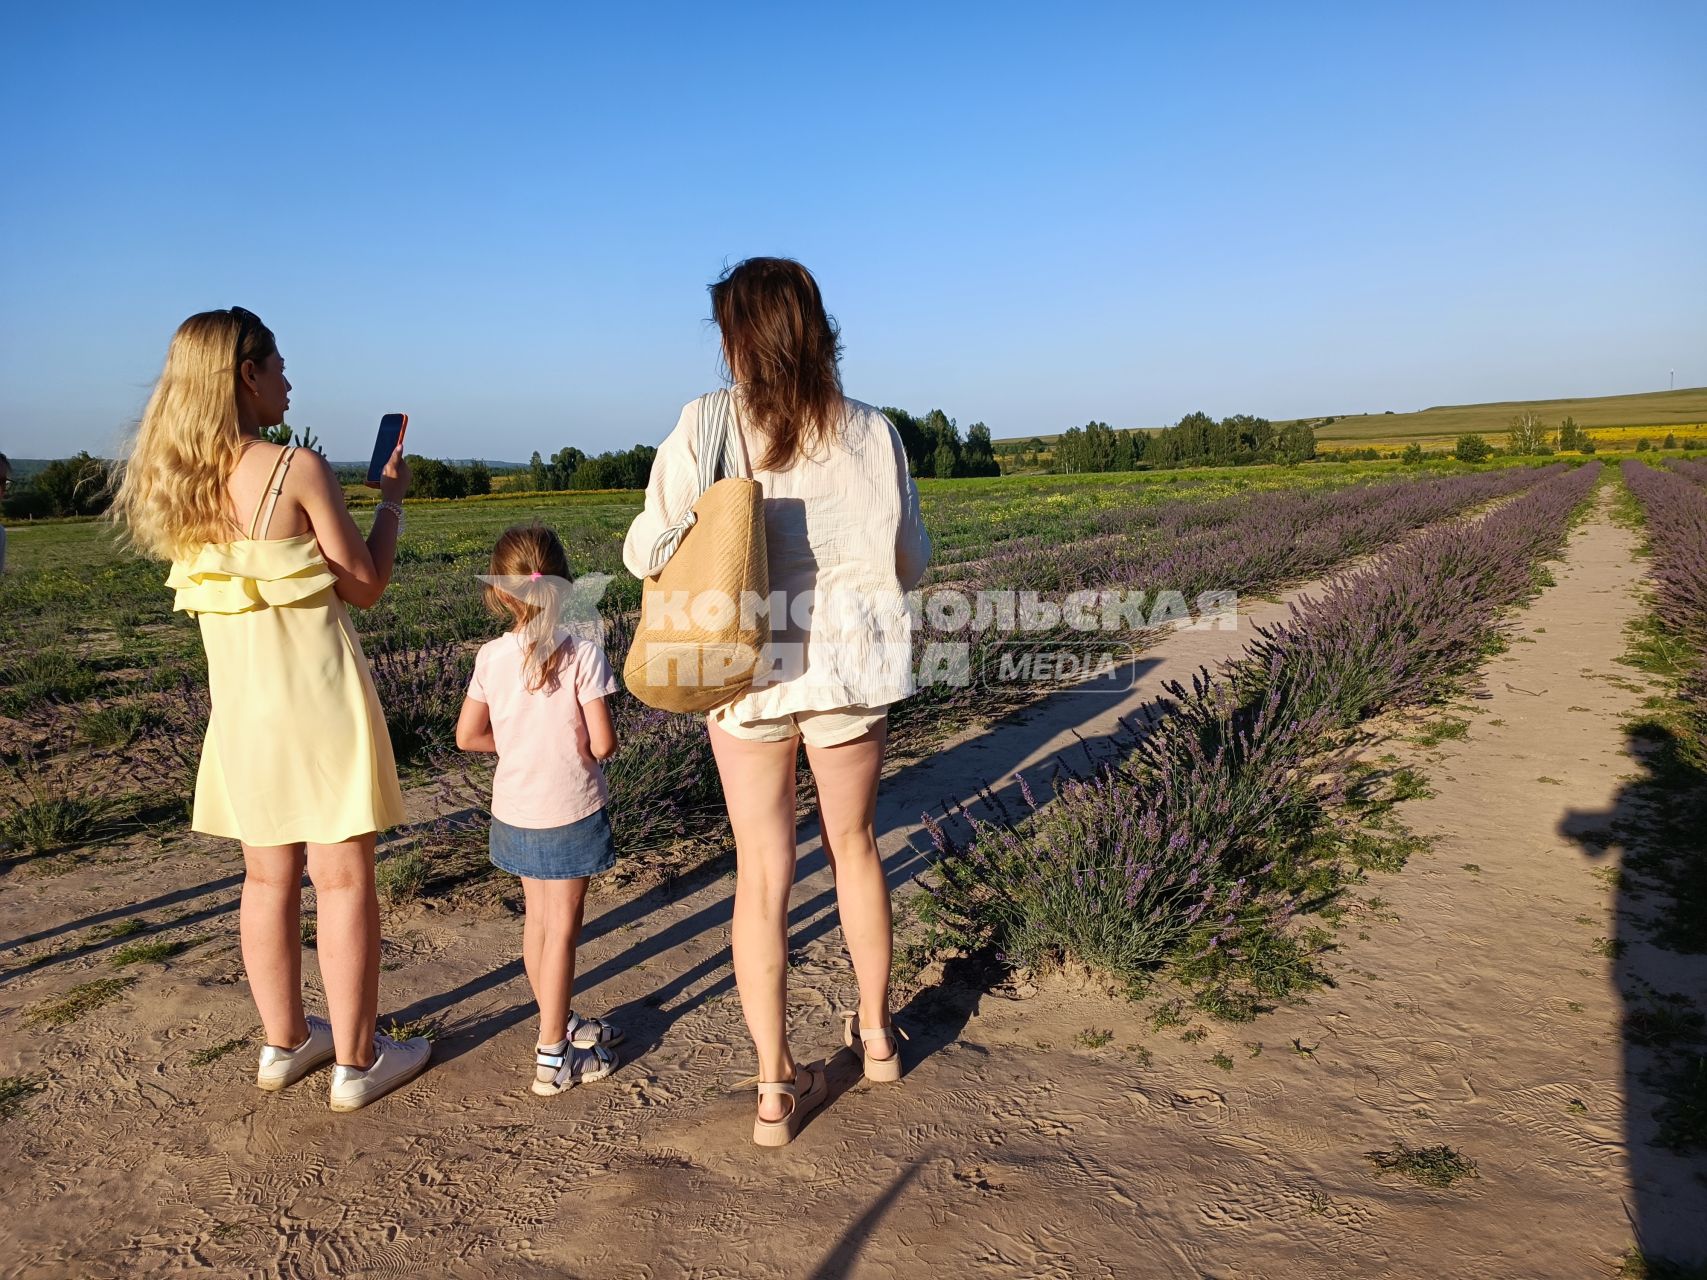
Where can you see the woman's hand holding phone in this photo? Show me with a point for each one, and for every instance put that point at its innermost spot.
(394, 480)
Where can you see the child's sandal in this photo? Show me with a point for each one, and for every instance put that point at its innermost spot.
(779, 1133)
(570, 1067)
(878, 1070)
(590, 1033)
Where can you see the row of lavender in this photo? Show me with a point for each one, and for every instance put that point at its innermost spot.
(1675, 507)
(1242, 544)
(1687, 467)
(1194, 843)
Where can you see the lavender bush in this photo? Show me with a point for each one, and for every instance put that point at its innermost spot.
(421, 687)
(1675, 508)
(663, 779)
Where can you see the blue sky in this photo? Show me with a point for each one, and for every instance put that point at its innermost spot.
(501, 218)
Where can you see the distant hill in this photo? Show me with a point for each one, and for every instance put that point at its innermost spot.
(1686, 406)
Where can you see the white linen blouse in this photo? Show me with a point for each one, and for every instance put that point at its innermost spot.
(844, 543)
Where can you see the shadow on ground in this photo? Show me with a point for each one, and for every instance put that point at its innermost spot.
(1657, 824)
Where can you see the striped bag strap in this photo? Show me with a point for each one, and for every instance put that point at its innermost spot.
(718, 452)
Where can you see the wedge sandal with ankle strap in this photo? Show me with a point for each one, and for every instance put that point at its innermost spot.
(779, 1133)
(878, 1070)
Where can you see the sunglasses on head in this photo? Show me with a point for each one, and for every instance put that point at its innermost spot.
(247, 322)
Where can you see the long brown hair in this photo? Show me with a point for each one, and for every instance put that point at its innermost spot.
(171, 490)
(534, 571)
(782, 347)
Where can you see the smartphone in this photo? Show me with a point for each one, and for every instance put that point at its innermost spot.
(391, 429)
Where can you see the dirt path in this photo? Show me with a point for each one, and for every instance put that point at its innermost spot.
(1474, 1019)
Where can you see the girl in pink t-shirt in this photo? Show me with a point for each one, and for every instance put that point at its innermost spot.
(537, 699)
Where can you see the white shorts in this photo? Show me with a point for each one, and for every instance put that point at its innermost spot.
(818, 728)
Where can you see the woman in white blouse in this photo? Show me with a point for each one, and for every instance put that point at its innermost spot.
(844, 543)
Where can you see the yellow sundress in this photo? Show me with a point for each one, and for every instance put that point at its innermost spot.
(296, 747)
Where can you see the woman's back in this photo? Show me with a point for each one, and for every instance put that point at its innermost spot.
(844, 542)
(248, 487)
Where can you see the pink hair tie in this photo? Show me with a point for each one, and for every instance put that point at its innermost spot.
(533, 577)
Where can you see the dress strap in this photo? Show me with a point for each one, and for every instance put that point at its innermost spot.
(263, 517)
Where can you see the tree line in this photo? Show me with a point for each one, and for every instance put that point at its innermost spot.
(936, 451)
(1196, 440)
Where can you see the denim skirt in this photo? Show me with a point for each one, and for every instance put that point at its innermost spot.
(582, 848)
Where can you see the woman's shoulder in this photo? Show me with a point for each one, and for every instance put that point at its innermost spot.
(866, 415)
(864, 425)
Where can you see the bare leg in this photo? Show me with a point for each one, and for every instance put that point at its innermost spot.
(550, 932)
(846, 778)
(269, 922)
(348, 910)
(758, 787)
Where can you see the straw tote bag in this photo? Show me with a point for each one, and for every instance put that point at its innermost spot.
(691, 651)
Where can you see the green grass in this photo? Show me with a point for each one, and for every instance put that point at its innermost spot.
(154, 951)
(118, 929)
(401, 877)
(76, 1002)
(212, 1054)
(117, 725)
(1431, 1166)
(13, 1091)
(1442, 731)
(1408, 784)
(427, 1028)
(1092, 1038)
(1170, 1014)
(42, 809)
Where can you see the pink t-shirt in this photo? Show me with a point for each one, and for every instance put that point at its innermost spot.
(546, 775)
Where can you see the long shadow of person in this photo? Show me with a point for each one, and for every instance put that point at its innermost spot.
(1653, 839)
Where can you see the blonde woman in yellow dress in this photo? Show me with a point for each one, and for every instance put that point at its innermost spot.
(297, 762)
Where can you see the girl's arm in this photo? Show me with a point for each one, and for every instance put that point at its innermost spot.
(601, 733)
(474, 727)
(362, 567)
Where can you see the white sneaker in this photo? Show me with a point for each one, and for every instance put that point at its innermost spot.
(283, 1067)
(394, 1063)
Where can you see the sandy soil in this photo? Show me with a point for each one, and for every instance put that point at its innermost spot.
(1471, 1008)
